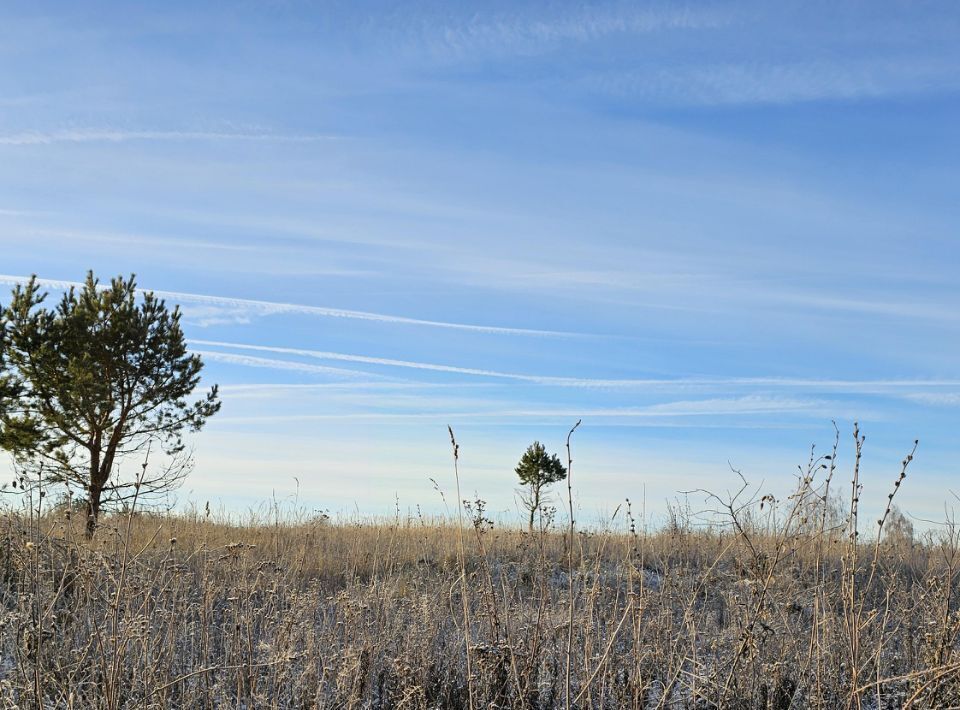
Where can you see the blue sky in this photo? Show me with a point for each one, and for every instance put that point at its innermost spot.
(706, 229)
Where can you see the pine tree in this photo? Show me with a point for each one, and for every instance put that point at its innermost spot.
(100, 377)
(537, 470)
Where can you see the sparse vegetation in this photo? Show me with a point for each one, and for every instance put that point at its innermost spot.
(761, 604)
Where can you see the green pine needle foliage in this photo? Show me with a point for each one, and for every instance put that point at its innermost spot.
(99, 377)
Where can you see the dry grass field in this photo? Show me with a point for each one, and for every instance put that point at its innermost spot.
(773, 604)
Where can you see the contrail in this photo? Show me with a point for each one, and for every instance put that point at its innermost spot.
(266, 308)
(323, 355)
(249, 361)
(786, 382)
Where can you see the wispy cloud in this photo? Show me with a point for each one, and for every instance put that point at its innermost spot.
(17, 213)
(939, 399)
(250, 361)
(750, 404)
(283, 390)
(909, 309)
(734, 406)
(146, 240)
(26, 138)
(832, 385)
(784, 83)
(252, 308)
(531, 30)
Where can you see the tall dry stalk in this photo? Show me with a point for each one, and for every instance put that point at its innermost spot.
(851, 616)
(570, 599)
(463, 566)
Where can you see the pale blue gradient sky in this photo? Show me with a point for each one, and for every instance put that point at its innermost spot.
(705, 228)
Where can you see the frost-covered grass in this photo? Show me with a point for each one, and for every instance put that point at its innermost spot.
(754, 610)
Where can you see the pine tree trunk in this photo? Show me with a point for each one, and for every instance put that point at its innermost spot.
(101, 463)
(93, 489)
(534, 503)
(93, 509)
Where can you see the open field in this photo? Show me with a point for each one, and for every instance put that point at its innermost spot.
(760, 609)
(269, 255)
